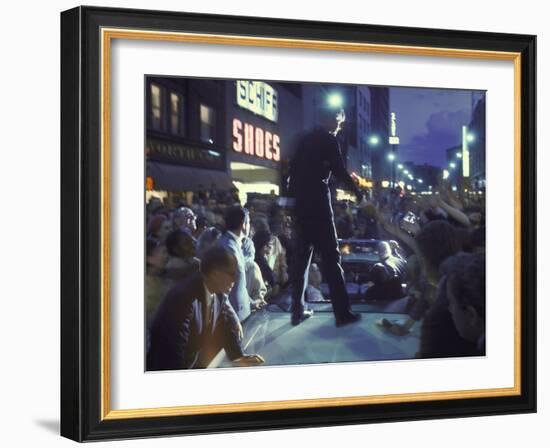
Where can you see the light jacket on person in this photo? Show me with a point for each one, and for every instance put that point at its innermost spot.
(238, 297)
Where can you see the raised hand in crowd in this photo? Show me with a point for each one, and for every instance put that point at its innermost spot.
(455, 213)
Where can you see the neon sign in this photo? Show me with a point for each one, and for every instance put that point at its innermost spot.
(259, 98)
(255, 141)
(394, 139)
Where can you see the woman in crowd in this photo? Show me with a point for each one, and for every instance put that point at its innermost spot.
(387, 275)
(255, 283)
(263, 245)
(159, 227)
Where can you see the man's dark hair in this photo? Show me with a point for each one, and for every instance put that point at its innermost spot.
(218, 258)
(437, 240)
(235, 217)
(328, 112)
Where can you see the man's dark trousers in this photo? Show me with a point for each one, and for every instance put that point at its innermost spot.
(319, 236)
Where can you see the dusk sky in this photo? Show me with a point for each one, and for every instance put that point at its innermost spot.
(429, 121)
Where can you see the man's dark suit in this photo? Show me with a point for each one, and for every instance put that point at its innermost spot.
(183, 337)
(317, 157)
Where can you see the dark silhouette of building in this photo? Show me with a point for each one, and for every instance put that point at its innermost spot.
(380, 128)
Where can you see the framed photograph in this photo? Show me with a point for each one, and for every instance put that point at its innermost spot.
(276, 223)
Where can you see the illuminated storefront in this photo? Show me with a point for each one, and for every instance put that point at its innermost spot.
(185, 147)
(262, 120)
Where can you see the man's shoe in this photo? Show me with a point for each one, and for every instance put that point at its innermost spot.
(296, 320)
(348, 319)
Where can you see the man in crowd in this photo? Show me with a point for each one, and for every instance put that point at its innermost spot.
(316, 158)
(237, 226)
(195, 320)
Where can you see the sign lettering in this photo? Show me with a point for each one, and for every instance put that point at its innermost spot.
(257, 141)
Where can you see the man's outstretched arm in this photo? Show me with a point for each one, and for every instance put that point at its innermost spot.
(338, 167)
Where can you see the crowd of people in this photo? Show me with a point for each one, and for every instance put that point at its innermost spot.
(434, 245)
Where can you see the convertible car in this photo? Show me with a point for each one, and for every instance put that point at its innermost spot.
(358, 257)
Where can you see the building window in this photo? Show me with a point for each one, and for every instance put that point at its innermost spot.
(176, 114)
(156, 107)
(208, 124)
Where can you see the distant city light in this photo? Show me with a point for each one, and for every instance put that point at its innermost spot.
(470, 138)
(406, 172)
(374, 140)
(459, 155)
(335, 100)
(391, 156)
(411, 177)
(452, 165)
(420, 180)
(400, 166)
(445, 174)
(454, 188)
(385, 184)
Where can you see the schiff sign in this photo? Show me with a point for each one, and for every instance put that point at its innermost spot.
(254, 141)
(258, 97)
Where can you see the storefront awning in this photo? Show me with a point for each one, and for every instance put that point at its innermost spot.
(176, 178)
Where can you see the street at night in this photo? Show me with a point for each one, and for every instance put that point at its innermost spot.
(303, 223)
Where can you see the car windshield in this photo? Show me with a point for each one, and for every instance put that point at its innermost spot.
(356, 250)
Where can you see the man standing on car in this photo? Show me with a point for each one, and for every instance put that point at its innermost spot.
(318, 156)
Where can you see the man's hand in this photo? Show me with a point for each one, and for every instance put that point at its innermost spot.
(259, 304)
(249, 360)
(240, 332)
(393, 327)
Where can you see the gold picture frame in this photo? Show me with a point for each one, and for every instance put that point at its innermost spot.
(90, 394)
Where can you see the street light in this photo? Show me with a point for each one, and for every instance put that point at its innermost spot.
(391, 157)
(470, 138)
(406, 171)
(374, 140)
(459, 155)
(400, 166)
(420, 181)
(335, 100)
(452, 165)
